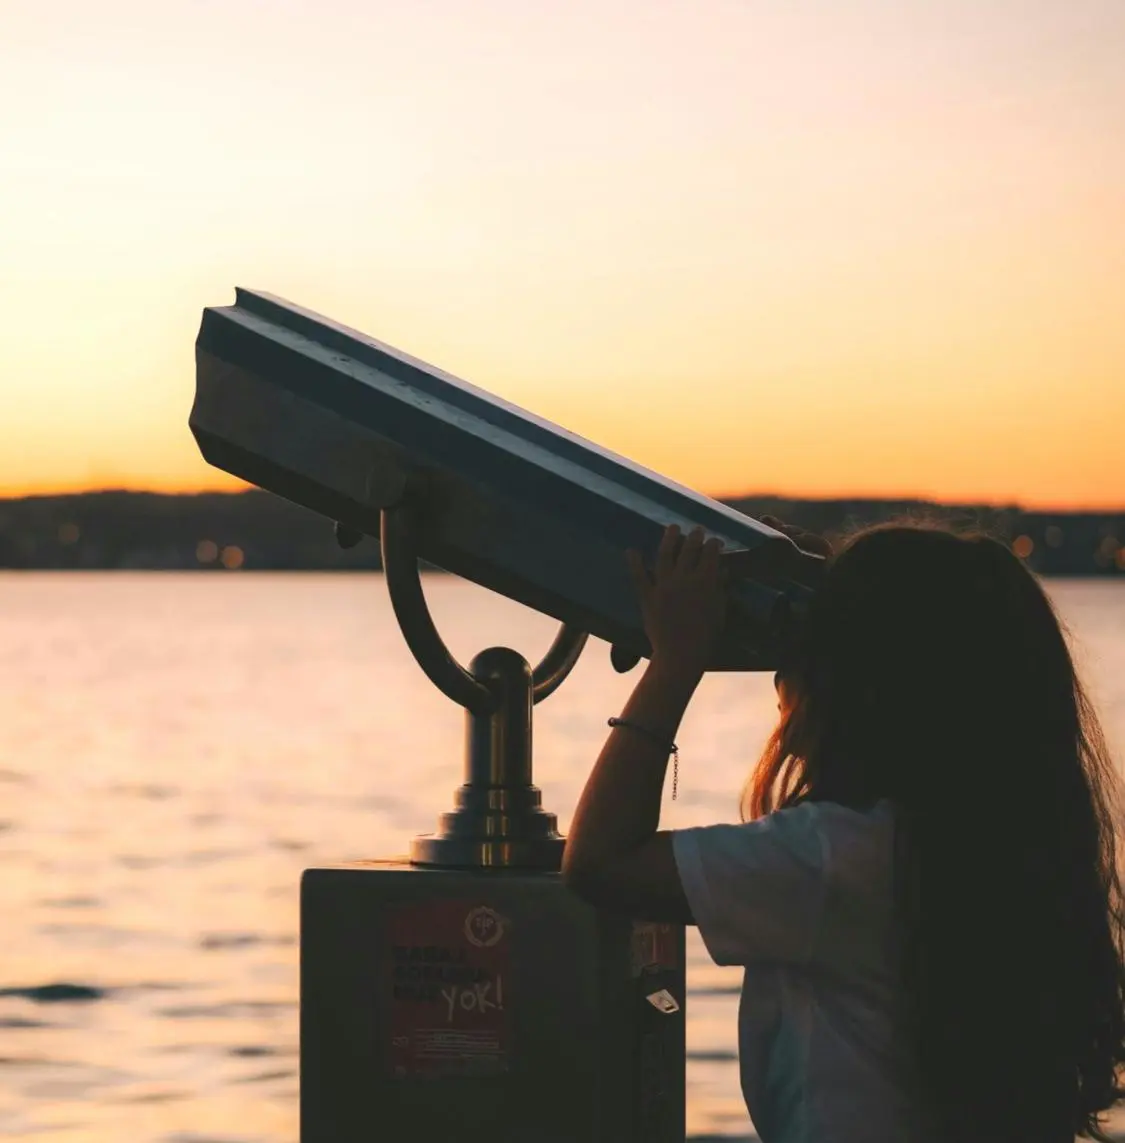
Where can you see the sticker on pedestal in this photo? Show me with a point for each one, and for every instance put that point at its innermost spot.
(447, 970)
(664, 1001)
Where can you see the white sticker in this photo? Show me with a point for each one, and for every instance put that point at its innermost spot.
(664, 1001)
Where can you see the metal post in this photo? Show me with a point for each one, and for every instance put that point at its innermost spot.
(498, 820)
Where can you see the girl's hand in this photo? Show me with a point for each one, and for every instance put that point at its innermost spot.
(683, 600)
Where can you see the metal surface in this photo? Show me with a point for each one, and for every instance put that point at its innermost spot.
(558, 662)
(346, 426)
(498, 821)
(404, 584)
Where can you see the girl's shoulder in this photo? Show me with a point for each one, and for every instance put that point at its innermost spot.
(854, 843)
(834, 818)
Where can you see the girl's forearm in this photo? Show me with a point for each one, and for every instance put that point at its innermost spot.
(620, 806)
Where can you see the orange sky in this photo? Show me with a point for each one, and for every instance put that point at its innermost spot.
(812, 248)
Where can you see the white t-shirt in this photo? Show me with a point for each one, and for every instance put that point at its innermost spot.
(803, 899)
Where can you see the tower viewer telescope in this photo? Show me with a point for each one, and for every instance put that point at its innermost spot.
(465, 993)
(349, 427)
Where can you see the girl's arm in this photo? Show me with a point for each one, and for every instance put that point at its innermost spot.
(615, 857)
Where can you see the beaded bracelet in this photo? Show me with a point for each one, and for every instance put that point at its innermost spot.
(660, 740)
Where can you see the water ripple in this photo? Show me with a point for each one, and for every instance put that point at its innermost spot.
(71, 902)
(188, 1137)
(150, 791)
(58, 993)
(183, 1137)
(267, 1077)
(213, 941)
(285, 843)
(234, 1010)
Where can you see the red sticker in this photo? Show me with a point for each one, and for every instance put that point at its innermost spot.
(447, 974)
(653, 947)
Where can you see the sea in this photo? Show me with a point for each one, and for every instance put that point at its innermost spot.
(176, 748)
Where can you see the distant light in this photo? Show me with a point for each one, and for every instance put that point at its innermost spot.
(69, 533)
(1107, 551)
(207, 552)
(233, 558)
(1054, 536)
(1023, 546)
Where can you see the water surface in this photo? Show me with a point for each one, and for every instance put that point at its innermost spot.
(175, 749)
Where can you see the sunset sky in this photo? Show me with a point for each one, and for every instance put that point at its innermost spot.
(800, 246)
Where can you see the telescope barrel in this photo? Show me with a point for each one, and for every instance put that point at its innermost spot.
(348, 427)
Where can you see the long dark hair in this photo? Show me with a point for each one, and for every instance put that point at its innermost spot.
(934, 672)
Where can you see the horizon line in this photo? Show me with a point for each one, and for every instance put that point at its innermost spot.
(233, 487)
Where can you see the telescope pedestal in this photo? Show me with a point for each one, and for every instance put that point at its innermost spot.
(499, 820)
(416, 1029)
(467, 994)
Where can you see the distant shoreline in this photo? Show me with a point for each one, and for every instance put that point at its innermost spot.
(1111, 510)
(345, 573)
(255, 531)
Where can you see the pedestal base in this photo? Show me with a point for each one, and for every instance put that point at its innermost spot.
(447, 1005)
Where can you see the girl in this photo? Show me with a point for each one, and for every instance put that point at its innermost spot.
(925, 894)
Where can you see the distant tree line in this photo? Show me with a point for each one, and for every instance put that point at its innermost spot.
(1052, 543)
(255, 530)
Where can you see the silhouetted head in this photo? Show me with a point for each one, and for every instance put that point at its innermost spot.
(933, 672)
